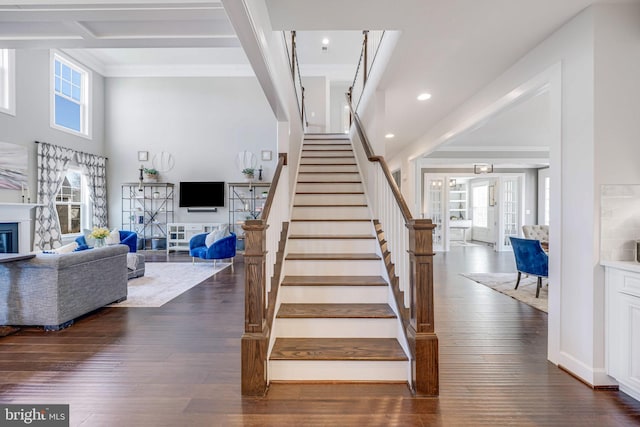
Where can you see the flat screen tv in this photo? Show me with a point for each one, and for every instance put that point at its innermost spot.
(201, 194)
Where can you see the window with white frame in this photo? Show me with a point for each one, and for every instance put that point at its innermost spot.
(70, 100)
(72, 202)
(7, 81)
(480, 206)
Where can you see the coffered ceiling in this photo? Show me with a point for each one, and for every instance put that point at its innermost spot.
(449, 48)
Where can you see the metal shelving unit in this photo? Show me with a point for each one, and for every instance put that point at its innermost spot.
(147, 208)
(246, 201)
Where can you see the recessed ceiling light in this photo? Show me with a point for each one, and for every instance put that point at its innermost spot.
(424, 96)
(389, 136)
(325, 41)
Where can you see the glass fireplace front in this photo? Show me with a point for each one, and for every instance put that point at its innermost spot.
(9, 238)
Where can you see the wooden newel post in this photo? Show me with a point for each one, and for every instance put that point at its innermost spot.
(421, 332)
(256, 333)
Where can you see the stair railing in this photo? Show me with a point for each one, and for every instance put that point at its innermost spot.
(408, 254)
(262, 269)
(292, 53)
(370, 42)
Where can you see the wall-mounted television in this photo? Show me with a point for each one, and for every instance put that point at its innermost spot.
(201, 194)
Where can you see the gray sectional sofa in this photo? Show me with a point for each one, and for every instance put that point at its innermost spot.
(51, 290)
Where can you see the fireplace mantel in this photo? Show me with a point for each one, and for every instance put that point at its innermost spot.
(20, 213)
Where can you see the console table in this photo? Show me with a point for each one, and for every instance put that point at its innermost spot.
(179, 234)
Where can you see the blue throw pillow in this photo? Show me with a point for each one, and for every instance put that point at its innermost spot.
(81, 248)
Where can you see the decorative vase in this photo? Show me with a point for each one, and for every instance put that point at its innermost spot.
(151, 177)
(99, 243)
(249, 177)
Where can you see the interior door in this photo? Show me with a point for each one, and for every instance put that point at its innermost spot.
(510, 202)
(434, 204)
(481, 211)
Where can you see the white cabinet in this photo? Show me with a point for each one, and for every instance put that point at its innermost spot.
(179, 234)
(623, 325)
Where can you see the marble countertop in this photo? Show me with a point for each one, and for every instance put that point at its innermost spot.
(622, 265)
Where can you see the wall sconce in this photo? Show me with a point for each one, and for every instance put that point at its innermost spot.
(482, 168)
(452, 183)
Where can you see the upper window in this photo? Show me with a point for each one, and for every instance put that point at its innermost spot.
(7, 81)
(70, 96)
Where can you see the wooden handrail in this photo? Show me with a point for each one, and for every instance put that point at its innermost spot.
(258, 316)
(419, 328)
(282, 161)
(406, 212)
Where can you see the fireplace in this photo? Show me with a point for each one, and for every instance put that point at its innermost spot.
(9, 238)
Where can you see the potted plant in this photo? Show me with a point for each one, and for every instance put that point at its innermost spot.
(248, 173)
(151, 174)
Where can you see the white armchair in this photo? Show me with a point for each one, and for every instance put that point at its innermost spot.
(537, 232)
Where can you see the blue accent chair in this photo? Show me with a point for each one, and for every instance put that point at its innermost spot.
(220, 249)
(530, 259)
(129, 238)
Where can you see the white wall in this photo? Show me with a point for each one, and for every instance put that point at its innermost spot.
(203, 122)
(338, 119)
(594, 141)
(32, 121)
(316, 93)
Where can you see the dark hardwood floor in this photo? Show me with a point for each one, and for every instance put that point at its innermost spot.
(179, 365)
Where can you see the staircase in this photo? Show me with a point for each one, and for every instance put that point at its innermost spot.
(334, 321)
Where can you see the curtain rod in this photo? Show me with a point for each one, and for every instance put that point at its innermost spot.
(81, 152)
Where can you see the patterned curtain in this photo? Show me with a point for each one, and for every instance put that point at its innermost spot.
(95, 169)
(53, 162)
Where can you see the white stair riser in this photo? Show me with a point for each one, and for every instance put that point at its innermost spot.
(333, 212)
(329, 199)
(337, 328)
(325, 161)
(328, 168)
(334, 294)
(341, 246)
(329, 188)
(315, 228)
(328, 138)
(326, 146)
(328, 153)
(329, 177)
(332, 268)
(338, 370)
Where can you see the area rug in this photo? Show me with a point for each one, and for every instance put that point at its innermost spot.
(163, 281)
(505, 282)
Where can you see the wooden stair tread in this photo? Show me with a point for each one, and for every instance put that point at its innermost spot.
(334, 281)
(336, 311)
(331, 236)
(329, 172)
(382, 349)
(333, 205)
(326, 157)
(330, 220)
(329, 182)
(329, 257)
(328, 164)
(329, 192)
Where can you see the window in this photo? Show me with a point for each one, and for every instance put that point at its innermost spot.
(71, 202)
(480, 206)
(7, 81)
(70, 96)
